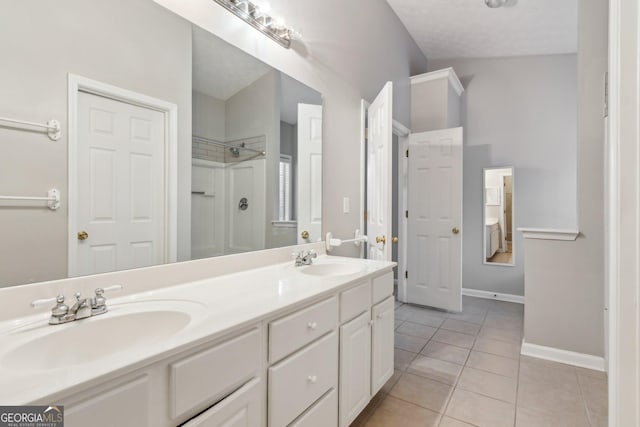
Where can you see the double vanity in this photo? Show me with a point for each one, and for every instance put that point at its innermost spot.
(267, 343)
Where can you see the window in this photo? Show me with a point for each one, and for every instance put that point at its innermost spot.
(284, 211)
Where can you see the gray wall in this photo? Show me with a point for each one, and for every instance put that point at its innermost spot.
(209, 116)
(346, 61)
(518, 112)
(134, 44)
(564, 281)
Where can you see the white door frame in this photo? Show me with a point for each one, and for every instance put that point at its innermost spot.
(79, 84)
(402, 132)
(621, 226)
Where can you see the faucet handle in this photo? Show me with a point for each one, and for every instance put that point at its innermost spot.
(312, 253)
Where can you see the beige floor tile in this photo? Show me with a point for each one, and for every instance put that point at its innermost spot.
(402, 359)
(500, 348)
(416, 330)
(554, 374)
(429, 318)
(594, 393)
(461, 326)
(394, 412)
(454, 338)
(474, 308)
(397, 322)
(508, 335)
(493, 363)
(480, 410)
(403, 312)
(435, 369)
(476, 318)
(391, 382)
(488, 384)
(409, 343)
(507, 307)
(422, 391)
(553, 398)
(446, 352)
(398, 305)
(504, 323)
(526, 417)
(450, 422)
(366, 413)
(591, 373)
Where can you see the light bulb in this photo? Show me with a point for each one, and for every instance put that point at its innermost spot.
(494, 3)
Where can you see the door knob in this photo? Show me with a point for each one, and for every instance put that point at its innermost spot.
(304, 234)
(395, 240)
(83, 235)
(381, 239)
(455, 230)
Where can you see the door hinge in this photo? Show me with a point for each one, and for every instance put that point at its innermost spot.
(407, 153)
(366, 216)
(606, 94)
(366, 133)
(406, 214)
(406, 274)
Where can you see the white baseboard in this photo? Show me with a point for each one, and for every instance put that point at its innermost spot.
(563, 356)
(493, 295)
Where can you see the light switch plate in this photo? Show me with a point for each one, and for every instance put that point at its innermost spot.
(346, 205)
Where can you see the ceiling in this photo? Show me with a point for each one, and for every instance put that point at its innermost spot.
(233, 69)
(470, 29)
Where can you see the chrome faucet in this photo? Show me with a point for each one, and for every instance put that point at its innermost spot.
(305, 258)
(81, 309)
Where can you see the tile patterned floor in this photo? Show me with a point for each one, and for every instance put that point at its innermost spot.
(465, 369)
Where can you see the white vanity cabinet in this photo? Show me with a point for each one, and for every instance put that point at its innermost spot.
(317, 363)
(215, 385)
(309, 340)
(366, 344)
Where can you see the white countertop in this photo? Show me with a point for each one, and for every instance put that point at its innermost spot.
(218, 305)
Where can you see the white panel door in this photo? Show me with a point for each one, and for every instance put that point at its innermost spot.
(121, 186)
(207, 209)
(379, 145)
(435, 219)
(245, 222)
(355, 367)
(309, 182)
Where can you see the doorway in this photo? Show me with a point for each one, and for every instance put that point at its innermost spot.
(122, 179)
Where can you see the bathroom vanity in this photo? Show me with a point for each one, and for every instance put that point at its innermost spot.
(275, 345)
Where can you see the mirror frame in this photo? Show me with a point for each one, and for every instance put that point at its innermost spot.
(484, 219)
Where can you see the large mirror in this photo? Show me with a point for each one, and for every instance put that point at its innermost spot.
(175, 145)
(498, 216)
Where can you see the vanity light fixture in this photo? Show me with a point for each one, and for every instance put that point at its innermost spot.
(494, 3)
(259, 19)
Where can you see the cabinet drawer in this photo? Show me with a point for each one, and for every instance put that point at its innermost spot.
(204, 377)
(354, 301)
(298, 381)
(241, 409)
(323, 413)
(382, 287)
(296, 330)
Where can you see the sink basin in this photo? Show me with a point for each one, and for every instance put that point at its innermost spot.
(124, 327)
(332, 269)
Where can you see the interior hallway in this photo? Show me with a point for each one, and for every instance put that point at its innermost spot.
(460, 370)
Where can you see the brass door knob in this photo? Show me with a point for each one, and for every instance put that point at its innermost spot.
(455, 230)
(395, 239)
(304, 234)
(381, 239)
(83, 235)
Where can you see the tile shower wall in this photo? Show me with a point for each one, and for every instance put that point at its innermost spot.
(220, 154)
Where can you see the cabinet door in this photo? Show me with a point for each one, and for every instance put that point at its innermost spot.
(241, 409)
(355, 367)
(382, 348)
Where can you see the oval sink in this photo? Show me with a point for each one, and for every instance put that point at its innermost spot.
(332, 269)
(88, 340)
